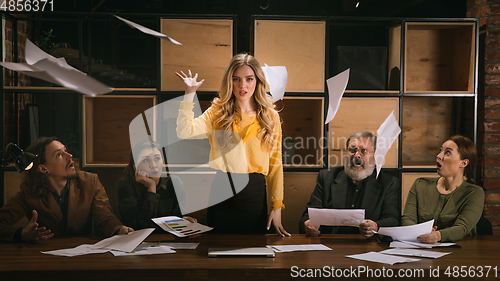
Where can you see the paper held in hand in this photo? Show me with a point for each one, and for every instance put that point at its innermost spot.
(336, 217)
(407, 233)
(180, 227)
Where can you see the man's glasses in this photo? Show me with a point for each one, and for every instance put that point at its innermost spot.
(363, 151)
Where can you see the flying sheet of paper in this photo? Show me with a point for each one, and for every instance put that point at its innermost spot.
(407, 233)
(180, 227)
(381, 258)
(33, 54)
(55, 70)
(147, 30)
(276, 77)
(386, 135)
(414, 253)
(336, 87)
(30, 71)
(337, 217)
(83, 249)
(295, 248)
(408, 244)
(124, 242)
(141, 251)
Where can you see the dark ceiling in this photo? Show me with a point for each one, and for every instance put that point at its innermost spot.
(243, 9)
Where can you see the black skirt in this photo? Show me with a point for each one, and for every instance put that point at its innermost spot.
(245, 212)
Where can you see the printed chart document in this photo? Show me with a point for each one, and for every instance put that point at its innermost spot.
(381, 258)
(295, 248)
(276, 77)
(337, 217)
(414, 253)
(124, 242)
(180, 227)
(407, 233)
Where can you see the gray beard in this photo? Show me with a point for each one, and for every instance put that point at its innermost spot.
(358, 176)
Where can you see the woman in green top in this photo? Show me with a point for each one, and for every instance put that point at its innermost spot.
(452, 200)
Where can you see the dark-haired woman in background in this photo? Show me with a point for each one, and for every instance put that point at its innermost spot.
(143, 193)
(452, 200)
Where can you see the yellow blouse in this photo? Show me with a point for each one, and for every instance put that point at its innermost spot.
(247, 156)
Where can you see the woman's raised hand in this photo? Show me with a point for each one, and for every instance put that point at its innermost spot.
(190, 82)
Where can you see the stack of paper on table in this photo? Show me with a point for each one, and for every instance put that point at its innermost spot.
(120, 243)
(414, 253)
(180, 227)
(172, 245)
(145, 249)
(416, 245)
(381, 258)
(124, 242)
(294, 248)
(388, 258)
(83, 249)
(407, 238)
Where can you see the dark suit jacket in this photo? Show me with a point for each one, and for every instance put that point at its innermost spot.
(87, 201)
(381, 199)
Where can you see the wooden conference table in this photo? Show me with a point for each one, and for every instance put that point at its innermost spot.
(23, 261)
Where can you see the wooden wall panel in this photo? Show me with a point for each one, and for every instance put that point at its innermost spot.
(463, 63)
(298, 190)
(106, 128)
(427, 123)
(439, 57)
(303, 122)
(297, 45)
(360, 114)
(207, 48)
(394, 58)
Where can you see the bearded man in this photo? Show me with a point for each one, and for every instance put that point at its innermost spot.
(356, 186)
(57, 199)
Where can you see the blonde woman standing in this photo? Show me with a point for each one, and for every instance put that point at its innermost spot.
(242, 116)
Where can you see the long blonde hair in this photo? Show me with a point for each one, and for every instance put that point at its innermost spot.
(226, 108)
